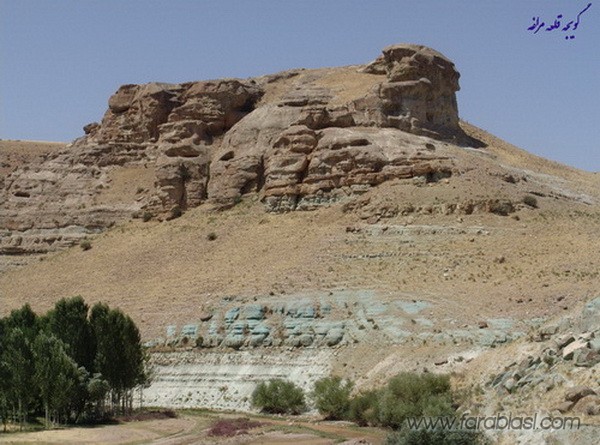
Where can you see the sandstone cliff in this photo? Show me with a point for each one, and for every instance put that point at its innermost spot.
(300, 139)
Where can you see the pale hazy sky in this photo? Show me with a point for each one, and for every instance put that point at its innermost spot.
(60, 60)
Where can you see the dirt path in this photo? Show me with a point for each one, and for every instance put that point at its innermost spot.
(191, 429)
(125, 433)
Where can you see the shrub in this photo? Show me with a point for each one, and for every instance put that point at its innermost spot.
(437, 437)
(332, 397)
(85, 244)
(211, 236)
(501, 207)
(147, 216)
(406, 395)
(232, 427)
(279, 397)
(176, 212)
(184, 173)
(364, 408)
(414, 395)
(530, 200)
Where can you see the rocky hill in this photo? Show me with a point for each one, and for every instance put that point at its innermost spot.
(299, 138)
(339, 213)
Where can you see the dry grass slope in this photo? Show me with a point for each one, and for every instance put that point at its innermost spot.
(164, 273)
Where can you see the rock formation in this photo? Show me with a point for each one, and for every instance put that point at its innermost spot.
(300, 139)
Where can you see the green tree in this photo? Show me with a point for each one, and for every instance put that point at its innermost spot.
(332, 397)
(47, 362)
(24, 319)
(119, 353)
(55, 374)
(18, 360)
(4, 407)
(279, 397)
(4, 378)
(97, 389)
(68, 321)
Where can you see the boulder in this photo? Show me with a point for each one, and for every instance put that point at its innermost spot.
(586, 357)
(234, 341)
(564, 340)
(306, 340)
(564, 407)
(577, 392)
(570, 349)
(205, 316)
(590, 315)
(257, 340)
(510, 384)
(588, 405)
(253, 312)
(231, 315)
(334, 336)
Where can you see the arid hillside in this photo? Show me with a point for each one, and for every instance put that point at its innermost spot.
(406, 236)
(315, 209)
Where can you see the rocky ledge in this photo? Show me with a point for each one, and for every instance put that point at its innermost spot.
(300, 139)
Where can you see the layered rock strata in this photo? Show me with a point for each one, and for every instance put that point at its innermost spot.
(300, 139)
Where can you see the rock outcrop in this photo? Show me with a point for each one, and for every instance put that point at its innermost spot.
(300, 139)
(570, 344)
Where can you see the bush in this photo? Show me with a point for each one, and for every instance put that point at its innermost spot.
(414, 395)
(176, 212)
(279, 397)
(85, 244)
(211, 236)
(531, 201)
(232, 427)
(501, 207)
(332, 397)
(437, 437)
(406, 395)
(364, 408)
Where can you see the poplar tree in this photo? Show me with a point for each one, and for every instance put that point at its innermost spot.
(119, 354)
(18, 359)
(55, 375)
(68, 321)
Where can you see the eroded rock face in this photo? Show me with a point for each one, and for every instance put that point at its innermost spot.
(307, 148)
(299, 138)
(419, 96)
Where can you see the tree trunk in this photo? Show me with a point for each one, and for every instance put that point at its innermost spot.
(21, 417)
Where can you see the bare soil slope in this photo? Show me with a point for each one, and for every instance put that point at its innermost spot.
(403, 235)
